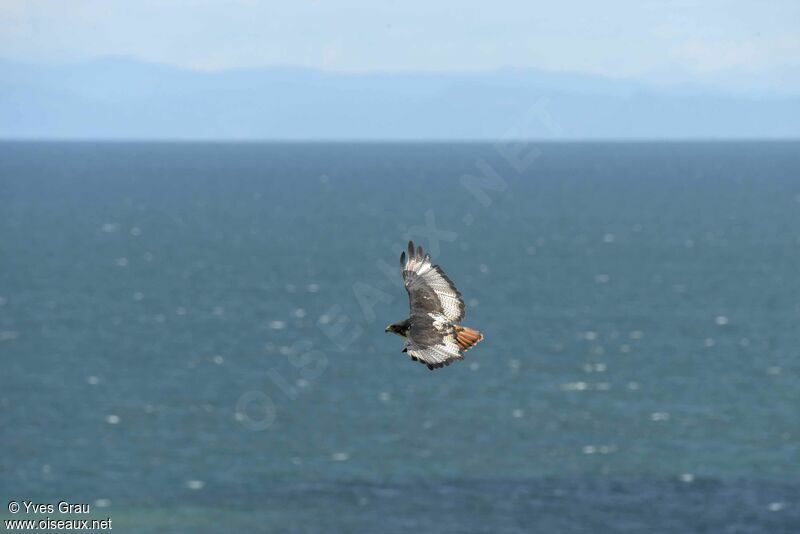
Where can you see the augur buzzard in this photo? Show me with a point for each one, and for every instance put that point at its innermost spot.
(433, 335)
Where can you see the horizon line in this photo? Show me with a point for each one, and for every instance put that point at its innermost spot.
(333, 141)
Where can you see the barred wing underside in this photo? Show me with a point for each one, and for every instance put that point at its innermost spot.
(436, 305)
(429, 289)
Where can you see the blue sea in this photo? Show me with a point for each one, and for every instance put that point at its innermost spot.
(192, 336)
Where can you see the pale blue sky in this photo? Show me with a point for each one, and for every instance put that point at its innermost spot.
(736, 44)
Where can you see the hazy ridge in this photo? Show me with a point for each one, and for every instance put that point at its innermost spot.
(124, 99)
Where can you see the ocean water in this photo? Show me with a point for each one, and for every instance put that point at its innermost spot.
(192, 336)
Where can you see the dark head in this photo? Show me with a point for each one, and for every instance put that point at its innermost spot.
(401, 328)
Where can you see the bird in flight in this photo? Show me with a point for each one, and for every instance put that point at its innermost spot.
(432, 333)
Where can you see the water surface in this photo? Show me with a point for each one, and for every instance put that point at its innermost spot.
(192, 336)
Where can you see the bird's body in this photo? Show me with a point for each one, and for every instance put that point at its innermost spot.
(432, 333)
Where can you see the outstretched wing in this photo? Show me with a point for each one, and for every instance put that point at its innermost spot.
(435, 305)
(429, 289)
(439, 354)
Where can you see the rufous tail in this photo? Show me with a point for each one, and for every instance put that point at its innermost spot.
(467, 337)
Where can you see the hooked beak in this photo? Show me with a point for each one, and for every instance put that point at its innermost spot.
(388, 328)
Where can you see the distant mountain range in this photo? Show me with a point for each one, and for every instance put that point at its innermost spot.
(124, 99)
